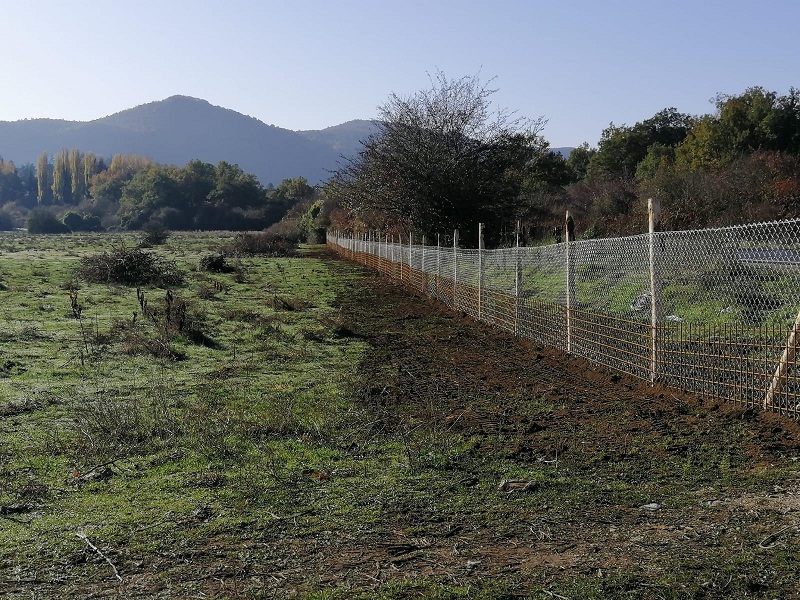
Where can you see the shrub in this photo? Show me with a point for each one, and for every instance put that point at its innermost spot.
(154, 234)
(215, 263)
(129, 266)
(108, 424)
(291, 230)
(6, 221)
(77, 222)
(263, 244)
(42, 221)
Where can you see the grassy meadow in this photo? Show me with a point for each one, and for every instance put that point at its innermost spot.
(299, 427)
(119, 432)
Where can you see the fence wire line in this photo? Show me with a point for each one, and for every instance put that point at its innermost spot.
(725, 318)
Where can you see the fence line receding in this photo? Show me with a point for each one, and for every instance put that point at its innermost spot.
(713, 311)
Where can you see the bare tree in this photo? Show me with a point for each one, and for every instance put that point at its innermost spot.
(442, 159)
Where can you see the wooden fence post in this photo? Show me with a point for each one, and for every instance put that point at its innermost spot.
(423, 275)
(654, 218)
(480, 271)
(517, 283)
(782, 372)
(410, 242)
(438, 263)
(455, 267)
(570, 236)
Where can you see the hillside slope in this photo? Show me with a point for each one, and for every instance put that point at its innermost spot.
(175, 131)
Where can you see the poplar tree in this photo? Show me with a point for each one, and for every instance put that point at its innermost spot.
(62, 186)
(76, 174)
(43, 184)
(90, 168)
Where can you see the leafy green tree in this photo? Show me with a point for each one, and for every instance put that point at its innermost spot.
(6, 221)
(10, 184)
(784, 123)
(235, 188)
(622, 148)
(291, 191)
(659, 156)
(27, 178)
(107, 185)
(41, 220)
(90, 167)
(77, 222)
(548, 170)
(196, 181)
(72, 220)
(282, 199)
(541, 195)
(578, 161)
(148, 190)
(756, 120)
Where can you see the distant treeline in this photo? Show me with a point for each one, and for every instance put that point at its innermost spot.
(79, 191)
(438, 162)
(739, 164)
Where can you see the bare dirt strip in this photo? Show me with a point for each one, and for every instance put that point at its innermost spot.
(714, 490)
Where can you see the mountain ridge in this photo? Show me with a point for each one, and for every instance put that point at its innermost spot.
(174, 131)
(182, 128)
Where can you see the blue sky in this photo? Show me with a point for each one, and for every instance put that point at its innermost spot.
(312, 64)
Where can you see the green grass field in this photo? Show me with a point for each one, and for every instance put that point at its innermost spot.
(102, 437)
(305, 436)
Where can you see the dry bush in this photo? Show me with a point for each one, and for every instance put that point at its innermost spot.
(259, 244)
(136, 340)
(153, 234)
(107, 424)
(290, 303)
(209, 288)
(129, 266)
(176, 318)
(215, 263)
(206, 292)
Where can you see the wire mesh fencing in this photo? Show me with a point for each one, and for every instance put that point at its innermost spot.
(714, 311)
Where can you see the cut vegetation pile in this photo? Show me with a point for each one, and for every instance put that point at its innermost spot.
(130, 266)
(343, 439)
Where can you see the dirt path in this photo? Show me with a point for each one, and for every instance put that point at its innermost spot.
(634, 486)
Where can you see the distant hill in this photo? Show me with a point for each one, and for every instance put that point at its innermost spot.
(345, 138)
(565, 151)
(177, 130)
(180, 128)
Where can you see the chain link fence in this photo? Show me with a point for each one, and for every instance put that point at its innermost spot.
(713, 311)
